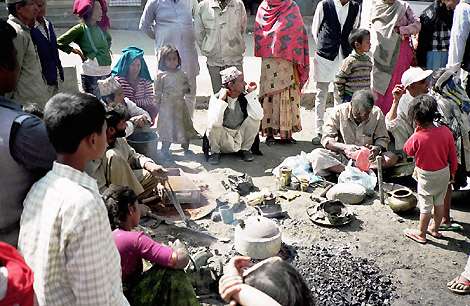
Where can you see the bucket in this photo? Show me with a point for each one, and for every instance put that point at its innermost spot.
(144, 142)
(226, 214)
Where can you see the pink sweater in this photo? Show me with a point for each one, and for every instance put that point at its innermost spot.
(135, 246)
(433, 149)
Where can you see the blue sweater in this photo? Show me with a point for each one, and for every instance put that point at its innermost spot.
(48, 54)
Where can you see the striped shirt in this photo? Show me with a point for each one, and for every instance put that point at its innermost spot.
(66, 239)
(353, 75)
(142, 95)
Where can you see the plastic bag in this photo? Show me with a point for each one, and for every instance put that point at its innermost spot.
(354, 175)
(300, 166)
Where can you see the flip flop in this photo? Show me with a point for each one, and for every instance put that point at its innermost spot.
(410, 234)
(457, 287)
(453, 227)
(437, 236)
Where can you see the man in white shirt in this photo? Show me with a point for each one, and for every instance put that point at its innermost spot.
(414, 82)
(234, 117)
(332, 23)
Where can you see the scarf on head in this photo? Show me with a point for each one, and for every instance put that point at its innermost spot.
(20, 278)
(80, 7)
(129, 55)
(385, 41)
(451, 91)
(280, 33)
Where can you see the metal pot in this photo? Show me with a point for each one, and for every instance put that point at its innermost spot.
(258, 237)
(144, 142)
(401, 200)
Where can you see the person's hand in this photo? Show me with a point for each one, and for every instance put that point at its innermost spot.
(182, 254)
(230, 283)
(405, 37)
(156, 170)
(374, 151)
(251, 87)
(236, 265)
(398, 91)
(223, 93)
(79, 53)
(349, 150)
(140, 121)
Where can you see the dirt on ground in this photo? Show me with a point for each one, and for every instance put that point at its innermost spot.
(411, 273)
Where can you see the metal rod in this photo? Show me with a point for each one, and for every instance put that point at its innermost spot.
(380, 179)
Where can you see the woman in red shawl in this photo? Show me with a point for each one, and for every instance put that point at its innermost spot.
(281, 41)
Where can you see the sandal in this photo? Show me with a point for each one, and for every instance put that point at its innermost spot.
(287, 141)
(453, 227)
(413, 236)
(459, 287)
(437, 235)
(270, 140)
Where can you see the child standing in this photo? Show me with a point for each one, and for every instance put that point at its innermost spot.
(434, 151)
(64, 218)
(354, 73)
(174, 123)
(165, 283)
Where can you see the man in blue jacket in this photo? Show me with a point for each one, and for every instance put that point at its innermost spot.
(45, 40)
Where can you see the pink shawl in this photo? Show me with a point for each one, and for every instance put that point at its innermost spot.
(280, 33)
(80, 7)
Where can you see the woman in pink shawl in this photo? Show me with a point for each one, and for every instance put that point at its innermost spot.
(281, 41)
(392, 24)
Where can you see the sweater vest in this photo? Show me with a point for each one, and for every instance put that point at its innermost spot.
(330, 35)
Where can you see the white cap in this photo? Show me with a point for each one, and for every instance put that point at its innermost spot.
(413, 75)
(230, 74)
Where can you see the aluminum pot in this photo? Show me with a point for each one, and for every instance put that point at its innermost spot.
(258, 237)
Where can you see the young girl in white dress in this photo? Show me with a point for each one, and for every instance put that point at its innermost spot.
(174, 124)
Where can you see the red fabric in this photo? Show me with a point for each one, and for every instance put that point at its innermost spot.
(133, 246)
(433, 149)
(280, 33)
(80, 7)
(405, 58)
(20, 277)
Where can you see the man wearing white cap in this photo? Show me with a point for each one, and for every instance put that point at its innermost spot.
(30, 87)
(413, 83)
(234, 117)
(111, 92)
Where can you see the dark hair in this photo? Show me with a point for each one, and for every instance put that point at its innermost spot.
(424, 110)
(69, 118)
(7, 51)
(34, 109)
(12, 7)
(357, 36)
(164, 52)
(117, 200)
(115, 113)
(282, 282)
(362, 99)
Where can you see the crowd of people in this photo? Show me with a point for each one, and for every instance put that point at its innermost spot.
(73, 186)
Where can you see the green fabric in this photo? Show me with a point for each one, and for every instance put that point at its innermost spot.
(128, 56)
(161, 286)
(77, 35)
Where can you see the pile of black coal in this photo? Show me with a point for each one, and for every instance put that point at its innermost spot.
(336, 277)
